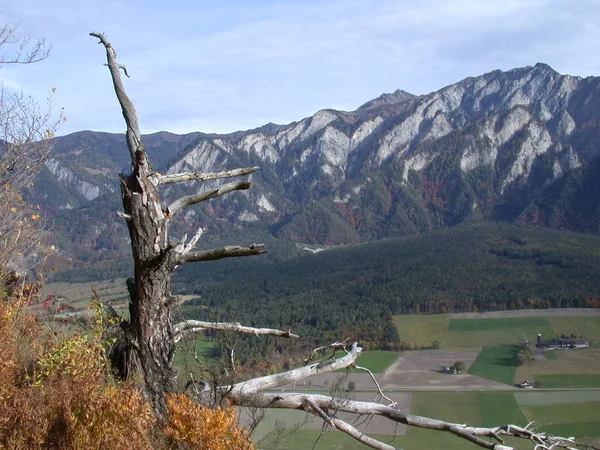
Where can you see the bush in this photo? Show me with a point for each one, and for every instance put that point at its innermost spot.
(58, 393)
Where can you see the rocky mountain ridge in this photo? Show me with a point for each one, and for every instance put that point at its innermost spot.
(516, 145)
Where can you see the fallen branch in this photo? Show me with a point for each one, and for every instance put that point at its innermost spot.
(194, 326)
(255, 385)
(312, 407)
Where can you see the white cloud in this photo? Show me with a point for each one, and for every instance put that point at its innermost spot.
(234, 65)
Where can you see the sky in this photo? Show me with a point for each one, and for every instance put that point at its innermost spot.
(234, 65)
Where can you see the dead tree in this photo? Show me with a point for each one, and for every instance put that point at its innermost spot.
(151, 335)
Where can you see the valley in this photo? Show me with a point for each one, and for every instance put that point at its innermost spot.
(415, 382)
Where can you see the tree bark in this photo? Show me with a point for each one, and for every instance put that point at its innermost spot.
(150, 335)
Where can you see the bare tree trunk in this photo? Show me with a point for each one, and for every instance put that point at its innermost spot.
(149, 344)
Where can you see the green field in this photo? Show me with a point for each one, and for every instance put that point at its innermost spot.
(495, 324)
(496, 363)
(500, 407)
(469, 333)
(377, 360)
(550, 409)
(534, 397)
(568, 380)
(588, 326)
(188, 350)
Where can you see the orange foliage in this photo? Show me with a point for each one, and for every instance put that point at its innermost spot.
(57, 393)
(204, 428)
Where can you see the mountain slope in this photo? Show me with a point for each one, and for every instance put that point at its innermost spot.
(520, 145)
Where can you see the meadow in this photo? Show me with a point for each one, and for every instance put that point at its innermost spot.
(496, 363)
(548, 408)
(467, 333)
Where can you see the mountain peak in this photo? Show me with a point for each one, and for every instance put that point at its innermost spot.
(397, 96)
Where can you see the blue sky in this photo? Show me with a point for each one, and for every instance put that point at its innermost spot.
(232, 65)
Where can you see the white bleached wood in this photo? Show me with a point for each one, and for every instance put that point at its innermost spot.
(201, 176)
(188, 200)
(195, 326)
(259, 384)
(312, 407)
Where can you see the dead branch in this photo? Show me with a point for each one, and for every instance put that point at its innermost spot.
(472, 434)
(195, 326)
(335, 347)
(206, 195)
(379, 390)
(254, 385)
(201, 176)
(251, 393)
(312, 407)
(134, 140)
(225, 252)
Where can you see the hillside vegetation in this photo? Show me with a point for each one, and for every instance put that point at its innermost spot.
(354, 290)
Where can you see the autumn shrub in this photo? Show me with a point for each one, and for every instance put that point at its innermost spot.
(203, 428)
(57, 393)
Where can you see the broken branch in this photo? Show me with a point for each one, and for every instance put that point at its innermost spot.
(225, 252)
(312, 407)
(202, 176)
(134, 140)
(206, 195)
(195, 326)
(254, 385)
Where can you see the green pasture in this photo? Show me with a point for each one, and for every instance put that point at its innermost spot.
(469, 333)
(568, 419)
(568, 380)
(551, 409)
(305, 439)
(189, 349)
(500, 407)
(509, 323)
(452, 406)
(540, 398)
(377, 360)
(587, 326)
(496, 363)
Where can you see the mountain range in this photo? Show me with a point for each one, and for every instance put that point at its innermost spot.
(517, 146)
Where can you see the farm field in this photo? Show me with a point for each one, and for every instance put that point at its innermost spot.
(496, 363)
(377, 361)
(421, 369)
(80, 295)
(568, 362)
(568, 381)
(588, 326)
(550, 408)
(467, 333)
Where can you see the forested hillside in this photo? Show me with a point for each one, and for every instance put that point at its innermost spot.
(354, 290)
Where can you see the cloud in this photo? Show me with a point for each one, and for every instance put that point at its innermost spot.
(211, 66)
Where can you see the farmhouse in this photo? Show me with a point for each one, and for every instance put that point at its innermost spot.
(562, 342)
